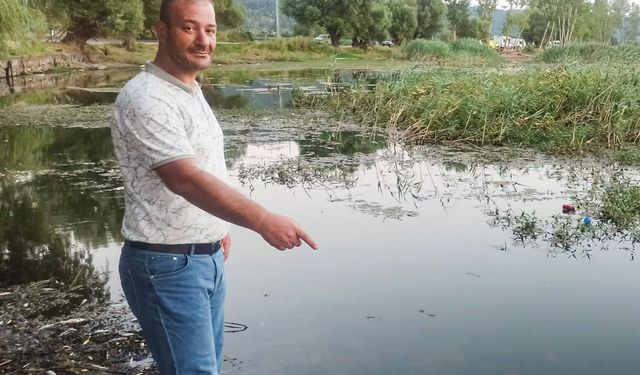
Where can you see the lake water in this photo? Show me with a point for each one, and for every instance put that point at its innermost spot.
(414, 274)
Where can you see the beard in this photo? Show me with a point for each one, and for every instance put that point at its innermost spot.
(181, 58)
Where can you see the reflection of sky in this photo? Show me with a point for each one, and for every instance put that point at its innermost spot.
(427, 293)
(356, 303)
(408, 279)
(270, 152)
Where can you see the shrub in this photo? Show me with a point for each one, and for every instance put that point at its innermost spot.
(235, 36)
(297, 44)
(472, 47)
(591, 52)
(422, 48)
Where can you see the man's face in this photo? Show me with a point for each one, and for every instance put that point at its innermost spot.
(190, 38)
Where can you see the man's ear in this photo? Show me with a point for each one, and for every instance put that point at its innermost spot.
(161, 31)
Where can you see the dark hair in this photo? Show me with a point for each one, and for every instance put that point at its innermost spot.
(165, 17)
(165, 14)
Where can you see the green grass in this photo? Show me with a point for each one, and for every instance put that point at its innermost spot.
(299, 49)
(621, 205)
(611, 204)
(592, 53)
(465, 50)
(562, 109)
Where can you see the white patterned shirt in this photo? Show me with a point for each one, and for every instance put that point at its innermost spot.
(158, 119)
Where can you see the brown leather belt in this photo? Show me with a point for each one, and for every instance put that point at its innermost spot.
(193, 248)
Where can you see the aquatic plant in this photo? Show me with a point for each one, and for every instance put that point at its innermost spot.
(562, 109)
(591, 53)
(608, 214)
(621, 205)
(422, 48)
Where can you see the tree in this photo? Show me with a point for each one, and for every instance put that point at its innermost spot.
(516, 21)
(56, 15)
(88, 18)
(431, 14)
(228, 14)
(332, 15)
(632, 27)
(516, 4)
(479, 29)
(458, 16)
(602, 27)
(127, 21)
(560, 15)
(14, 18)
(538, 28)
(15, 21)
(619, 9)
(486, 9)
(404, 20)
(368, 20)
(151, 9)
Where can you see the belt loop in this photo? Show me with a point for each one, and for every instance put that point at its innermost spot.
(193, 249)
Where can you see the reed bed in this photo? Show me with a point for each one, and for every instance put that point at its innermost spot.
(592, 53)
(462, 50)
(562, 109)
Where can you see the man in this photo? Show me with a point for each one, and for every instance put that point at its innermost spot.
(178, 203)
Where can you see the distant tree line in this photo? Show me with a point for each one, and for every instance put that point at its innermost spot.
(86, 19)
(539, 21)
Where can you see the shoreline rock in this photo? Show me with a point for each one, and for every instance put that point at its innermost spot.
(24, 65)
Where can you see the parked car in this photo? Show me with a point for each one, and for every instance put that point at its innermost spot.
(388, 43)
(322, 38)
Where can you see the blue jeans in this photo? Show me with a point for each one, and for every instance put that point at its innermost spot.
(179, 303)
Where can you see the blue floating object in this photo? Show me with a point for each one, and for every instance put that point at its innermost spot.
(586, 220)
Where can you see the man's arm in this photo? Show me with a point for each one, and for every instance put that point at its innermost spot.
(185, 178)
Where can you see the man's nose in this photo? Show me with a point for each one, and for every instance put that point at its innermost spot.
(201, 37)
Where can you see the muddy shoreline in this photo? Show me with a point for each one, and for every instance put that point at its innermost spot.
(48, 327)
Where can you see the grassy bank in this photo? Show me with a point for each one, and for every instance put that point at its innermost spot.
(564, 109)
(274, 50)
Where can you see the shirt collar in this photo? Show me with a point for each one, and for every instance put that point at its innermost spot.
(157, 71)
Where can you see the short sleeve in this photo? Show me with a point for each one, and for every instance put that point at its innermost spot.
(156, 129)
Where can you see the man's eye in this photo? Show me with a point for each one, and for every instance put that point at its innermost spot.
(188, 28)
(211, 32)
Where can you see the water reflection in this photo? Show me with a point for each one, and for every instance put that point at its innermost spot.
(255, 90)
(407, 254)
(59, 200)
(49, 88)
(33, 248)
(61, 195)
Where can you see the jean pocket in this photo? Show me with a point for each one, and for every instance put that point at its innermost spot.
(161, 266)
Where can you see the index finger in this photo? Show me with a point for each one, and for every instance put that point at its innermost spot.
(306, 238)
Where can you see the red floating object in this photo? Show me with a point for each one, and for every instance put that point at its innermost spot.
(568, 207)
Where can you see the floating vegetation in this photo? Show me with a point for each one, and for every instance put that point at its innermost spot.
(66, 115)
(297, 172)
(377, 210)
(86, 337)
(606, 215)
